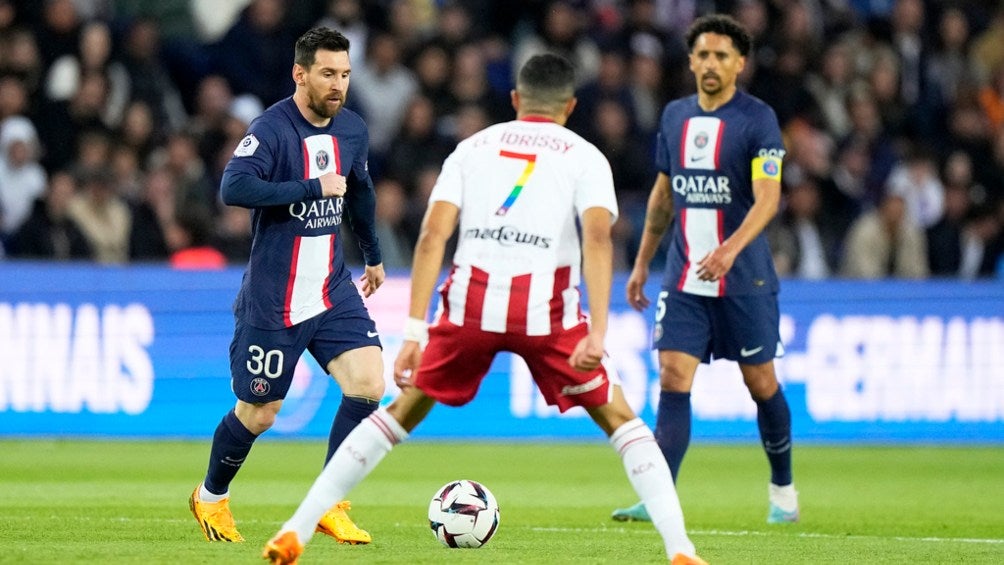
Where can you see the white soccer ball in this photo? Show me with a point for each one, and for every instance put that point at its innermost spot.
(463, 514)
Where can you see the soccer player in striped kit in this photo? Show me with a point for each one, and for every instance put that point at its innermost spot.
(517, 190)
(719, 156)
(301, 169)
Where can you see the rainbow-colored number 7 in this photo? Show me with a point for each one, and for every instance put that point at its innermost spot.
(531, 161)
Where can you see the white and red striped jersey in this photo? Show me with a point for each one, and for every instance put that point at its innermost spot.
(521, 187)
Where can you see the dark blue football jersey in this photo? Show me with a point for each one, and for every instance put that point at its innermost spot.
(711, 159)
(296, 253)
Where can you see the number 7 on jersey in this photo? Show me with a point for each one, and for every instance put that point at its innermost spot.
(531, 162)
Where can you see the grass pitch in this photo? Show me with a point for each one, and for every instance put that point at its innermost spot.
(67, 501)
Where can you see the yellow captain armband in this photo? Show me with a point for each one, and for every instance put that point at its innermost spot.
(768, 167)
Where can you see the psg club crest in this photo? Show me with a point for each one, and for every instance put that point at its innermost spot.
(701, 140)
(322, 160)
(259, 386)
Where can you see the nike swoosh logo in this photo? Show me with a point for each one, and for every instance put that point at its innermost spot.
(747, 352)
(696, 159)
(374, 334)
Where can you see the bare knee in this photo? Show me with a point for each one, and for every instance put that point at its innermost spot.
(760, 380)
(257, 418)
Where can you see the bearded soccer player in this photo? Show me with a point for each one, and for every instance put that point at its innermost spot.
(301, 169)
(719, 158)
(517, 190)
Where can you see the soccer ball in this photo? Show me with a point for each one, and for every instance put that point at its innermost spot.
(463, 514)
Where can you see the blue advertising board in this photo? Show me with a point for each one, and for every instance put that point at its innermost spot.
(141, 351)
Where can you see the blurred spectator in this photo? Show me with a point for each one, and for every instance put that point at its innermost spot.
(233, 234)
(991, 99)
(22, 179)
(20, 57)
(610, 84)
(61, 124)
(13, 97)
(948, 67)
(418, 145)
(916, 180)
(981, 244)
(190, 242)
(93, 56)
(347, 16)
(103, 217)
(48, 232)
(153, 214)
(94, 149)
(209, 116)
(647, 81)
(867, 132)
(180, 156)
(433, 69)
(944, 238)
(254, 54)
(127, 172)
(830, 86)
(561, 30)
(469, 85)
(468, 120)
(59, 33)
(382, 87)
(391, 209)
(885, 243)
(138, 130)
(987, 52)
(804, 243)
(149, 78)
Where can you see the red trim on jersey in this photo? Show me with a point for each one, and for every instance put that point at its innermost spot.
(683, 144)
(519, 300)
(721, 232)
(532, 157)
(326, 291)
(562, 279)
(306, 159)
(718, 143)
(288, 304)
(536, 118)
(444, 294)
(475, 302)
(686, 250)
(337, 156)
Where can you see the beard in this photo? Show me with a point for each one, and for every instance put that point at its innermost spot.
(324, 107)
(711, 88)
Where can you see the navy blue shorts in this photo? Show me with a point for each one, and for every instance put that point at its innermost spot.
(262, 361)
(740, 328)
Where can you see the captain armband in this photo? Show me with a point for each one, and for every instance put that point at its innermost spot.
(768, 167)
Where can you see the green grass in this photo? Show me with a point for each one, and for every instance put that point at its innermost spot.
(126, 502)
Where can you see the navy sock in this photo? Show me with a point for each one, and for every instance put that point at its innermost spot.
(231, 444)
(774, 420)
(352, 410)
(672, 428)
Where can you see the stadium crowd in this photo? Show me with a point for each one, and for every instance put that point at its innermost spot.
(118, 116)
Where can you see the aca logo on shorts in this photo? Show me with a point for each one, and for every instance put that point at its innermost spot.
(322, 159)
(770, 167)
(260, 386)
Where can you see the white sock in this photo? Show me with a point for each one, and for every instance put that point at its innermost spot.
(784, 497)
(358, 454)
(649, 475)
(206, 496)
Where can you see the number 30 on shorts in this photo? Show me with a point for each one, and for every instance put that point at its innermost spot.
(264, 362)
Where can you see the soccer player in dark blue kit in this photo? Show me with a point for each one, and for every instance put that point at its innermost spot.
(301, 169)
(719, 156)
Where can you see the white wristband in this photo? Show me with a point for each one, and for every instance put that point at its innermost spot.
(416, 330)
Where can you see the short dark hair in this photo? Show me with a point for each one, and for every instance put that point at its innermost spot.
(545, 81)
(722, 25)
(318, 38)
